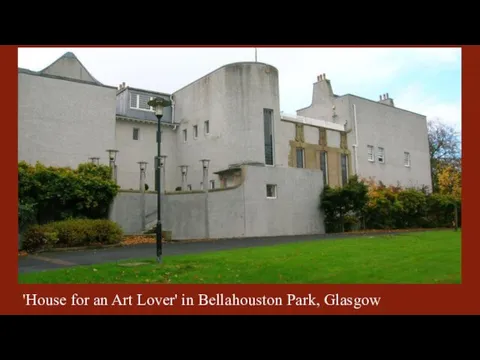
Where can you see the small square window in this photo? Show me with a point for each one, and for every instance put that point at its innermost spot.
(136, 132)
(207, 127)
(271, 191)
(195, 131)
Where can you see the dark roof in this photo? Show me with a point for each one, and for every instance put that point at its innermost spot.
(142, 90)
(226, 171)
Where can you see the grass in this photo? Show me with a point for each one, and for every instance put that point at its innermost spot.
(413, 258)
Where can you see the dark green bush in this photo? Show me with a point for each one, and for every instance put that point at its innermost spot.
(71, 233)
(368, 205)
(54, 194)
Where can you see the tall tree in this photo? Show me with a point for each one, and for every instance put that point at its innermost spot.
(445, 148)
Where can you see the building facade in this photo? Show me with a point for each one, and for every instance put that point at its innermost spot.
(65, 115)
(384, 143)
(231, 117)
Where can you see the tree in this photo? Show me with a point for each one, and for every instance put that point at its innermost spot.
(450, 184)
(445, 148)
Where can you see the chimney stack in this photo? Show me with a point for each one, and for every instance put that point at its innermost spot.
(385, 99)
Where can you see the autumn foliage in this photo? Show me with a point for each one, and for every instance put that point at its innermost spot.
(366, 204)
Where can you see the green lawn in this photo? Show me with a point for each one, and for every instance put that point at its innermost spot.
(420, 258)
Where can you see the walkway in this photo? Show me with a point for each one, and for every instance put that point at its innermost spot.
(55, 260)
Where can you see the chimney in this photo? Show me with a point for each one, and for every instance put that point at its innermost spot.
(385, 99)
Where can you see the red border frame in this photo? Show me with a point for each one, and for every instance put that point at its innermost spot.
(396, 299)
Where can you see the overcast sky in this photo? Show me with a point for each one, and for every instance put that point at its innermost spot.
(427, 81)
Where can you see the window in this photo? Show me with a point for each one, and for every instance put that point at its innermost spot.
(185, 135)
(324, 166)
(140, 102)
(381, 155)
(370, 154)
(268, 135)
(344, 165)
(271, 191)
(212, 184)
(195, 131)
(206, 127)
(189, 187)
(300, 157)
(135, 133)
(406, 160)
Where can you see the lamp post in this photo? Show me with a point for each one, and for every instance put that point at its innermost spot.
(112, 156)
(163, 159)
(94, 160)
(205, 163)
(158, 104)
(184, 170)
(143, 168)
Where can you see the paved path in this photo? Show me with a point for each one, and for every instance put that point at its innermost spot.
(55, 260)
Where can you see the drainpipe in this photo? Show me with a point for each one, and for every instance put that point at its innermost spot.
(355, 146)
(173, 112)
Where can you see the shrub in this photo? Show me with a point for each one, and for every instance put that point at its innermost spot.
(70, 233)
(343, 206)
(373, 205)
(55, 193)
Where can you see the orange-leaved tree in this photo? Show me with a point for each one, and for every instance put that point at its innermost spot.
(450, 184)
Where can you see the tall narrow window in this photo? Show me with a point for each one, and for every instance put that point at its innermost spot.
(207, 127)
(381, 155)
(344, 165)
(406, 160)
(195, 131)
(185, 135)
(324, 166)
(268, 135)
(135, 133)
(370, 154)
(300, 158)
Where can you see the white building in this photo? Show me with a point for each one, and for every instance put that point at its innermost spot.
(231, 117)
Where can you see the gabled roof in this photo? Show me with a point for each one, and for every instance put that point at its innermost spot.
(67, 67)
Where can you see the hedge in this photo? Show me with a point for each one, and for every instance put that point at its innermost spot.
(49, 194)
(71, 233)
(362, 204)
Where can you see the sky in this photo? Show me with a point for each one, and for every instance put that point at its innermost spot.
(422, 80)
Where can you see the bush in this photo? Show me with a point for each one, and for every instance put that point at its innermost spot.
(343, 206)
(375, 206)
(70, 233)
(49, 194)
